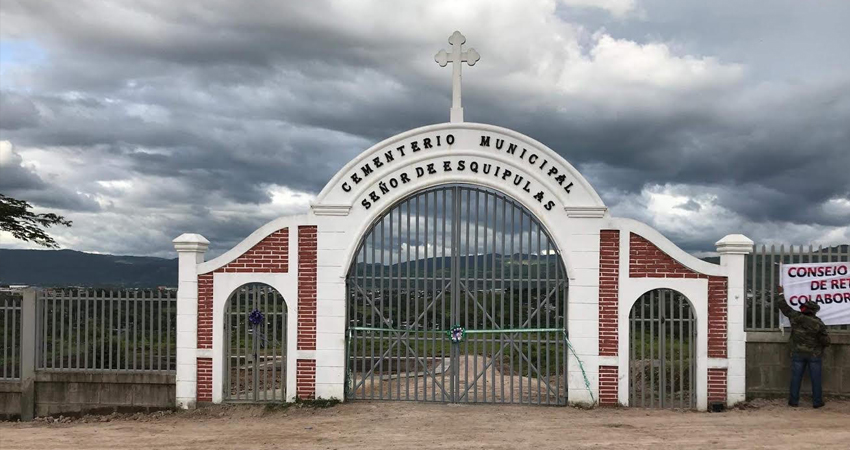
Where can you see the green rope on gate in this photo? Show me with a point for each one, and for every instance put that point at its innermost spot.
(508, 330)
(516, 330)
(394, 330)
(580, 366)
(348, 375)
(501, 330)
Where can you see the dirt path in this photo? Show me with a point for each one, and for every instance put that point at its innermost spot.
(478, 380)
(426, 426)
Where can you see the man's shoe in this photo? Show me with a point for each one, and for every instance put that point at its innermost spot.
(819, 405)
(793, 405)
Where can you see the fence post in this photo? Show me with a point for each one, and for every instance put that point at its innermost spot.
(733, 250)
(28, 345)
(190, 251)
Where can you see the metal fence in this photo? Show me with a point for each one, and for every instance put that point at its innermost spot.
(84, 329)
(762, 274)
(10, 336)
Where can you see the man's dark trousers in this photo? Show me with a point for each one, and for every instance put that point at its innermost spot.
(798, 366)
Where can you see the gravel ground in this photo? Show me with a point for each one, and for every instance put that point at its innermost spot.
(374, 425)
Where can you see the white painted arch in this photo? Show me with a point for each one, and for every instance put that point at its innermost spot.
(581, 203)
(467, 138)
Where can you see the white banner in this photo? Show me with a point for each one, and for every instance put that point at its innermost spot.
(827, 284)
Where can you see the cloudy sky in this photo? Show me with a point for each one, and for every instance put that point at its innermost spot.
(140, 120)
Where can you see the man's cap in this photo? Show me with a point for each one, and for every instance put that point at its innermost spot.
(811, 307)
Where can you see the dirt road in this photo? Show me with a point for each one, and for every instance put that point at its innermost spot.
(427, 426)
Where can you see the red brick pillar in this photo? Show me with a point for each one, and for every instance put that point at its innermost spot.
(717, 333)
(306, 368)
(204, 380)
(608, 385)
(717, 323)
(306, 379)
(205, 319)
(609, 275)
(717, 386)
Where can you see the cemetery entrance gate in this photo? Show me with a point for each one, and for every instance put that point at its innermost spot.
(457, 294)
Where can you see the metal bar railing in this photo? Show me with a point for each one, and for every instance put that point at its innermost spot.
(10, 336)
(762, 274)
(97, 330)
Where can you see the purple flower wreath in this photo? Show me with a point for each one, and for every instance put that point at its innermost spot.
(256, 318)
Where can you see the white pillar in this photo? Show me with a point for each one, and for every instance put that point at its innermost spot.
(190, 251)
(733, 250)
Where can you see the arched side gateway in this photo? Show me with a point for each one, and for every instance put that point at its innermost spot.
(662, 351)
(457, 294)
(255, 345)
(313, 261)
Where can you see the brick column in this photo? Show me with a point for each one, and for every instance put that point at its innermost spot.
(716, 386)
(307, 259)
(306, 379)
(608, 385)
(204, 380)
(205, 320)
(609, 297)
(717, 317)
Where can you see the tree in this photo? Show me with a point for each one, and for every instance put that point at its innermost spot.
(16, 218)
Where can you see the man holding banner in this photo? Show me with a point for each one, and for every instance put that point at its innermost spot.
(808, 289)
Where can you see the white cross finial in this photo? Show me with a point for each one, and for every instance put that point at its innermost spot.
(456, 57)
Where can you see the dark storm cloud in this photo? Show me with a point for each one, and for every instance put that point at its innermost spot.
(785, 161)
(16, 176)
(198, 109)
(17, 111)
(18, 181)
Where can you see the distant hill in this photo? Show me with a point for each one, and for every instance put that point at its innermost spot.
(55, 268)
(61, 268)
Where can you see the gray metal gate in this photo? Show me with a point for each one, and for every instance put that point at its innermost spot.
(464, 258)
(255, 345)
(662, 332)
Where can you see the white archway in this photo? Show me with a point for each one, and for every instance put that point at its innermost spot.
(550, 186)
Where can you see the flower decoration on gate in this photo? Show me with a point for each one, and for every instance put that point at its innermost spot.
(256, 318)
(457, 333)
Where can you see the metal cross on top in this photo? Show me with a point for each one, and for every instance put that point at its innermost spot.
(457, 58)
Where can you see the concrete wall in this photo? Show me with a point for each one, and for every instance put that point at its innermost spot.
(10, 399)
(69, 393)
(769, 365)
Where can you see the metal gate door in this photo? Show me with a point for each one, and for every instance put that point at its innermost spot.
(255, 345)
(662, 330)
(466, 259)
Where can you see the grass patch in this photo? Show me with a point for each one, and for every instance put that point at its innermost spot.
(318, 403)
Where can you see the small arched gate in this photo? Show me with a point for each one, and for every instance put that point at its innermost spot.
(662, 349)
(255, 345)
(462, 258)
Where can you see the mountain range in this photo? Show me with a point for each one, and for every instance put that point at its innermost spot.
(63, 268)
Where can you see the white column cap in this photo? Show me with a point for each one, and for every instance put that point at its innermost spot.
(734, 244)
(190, 242)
